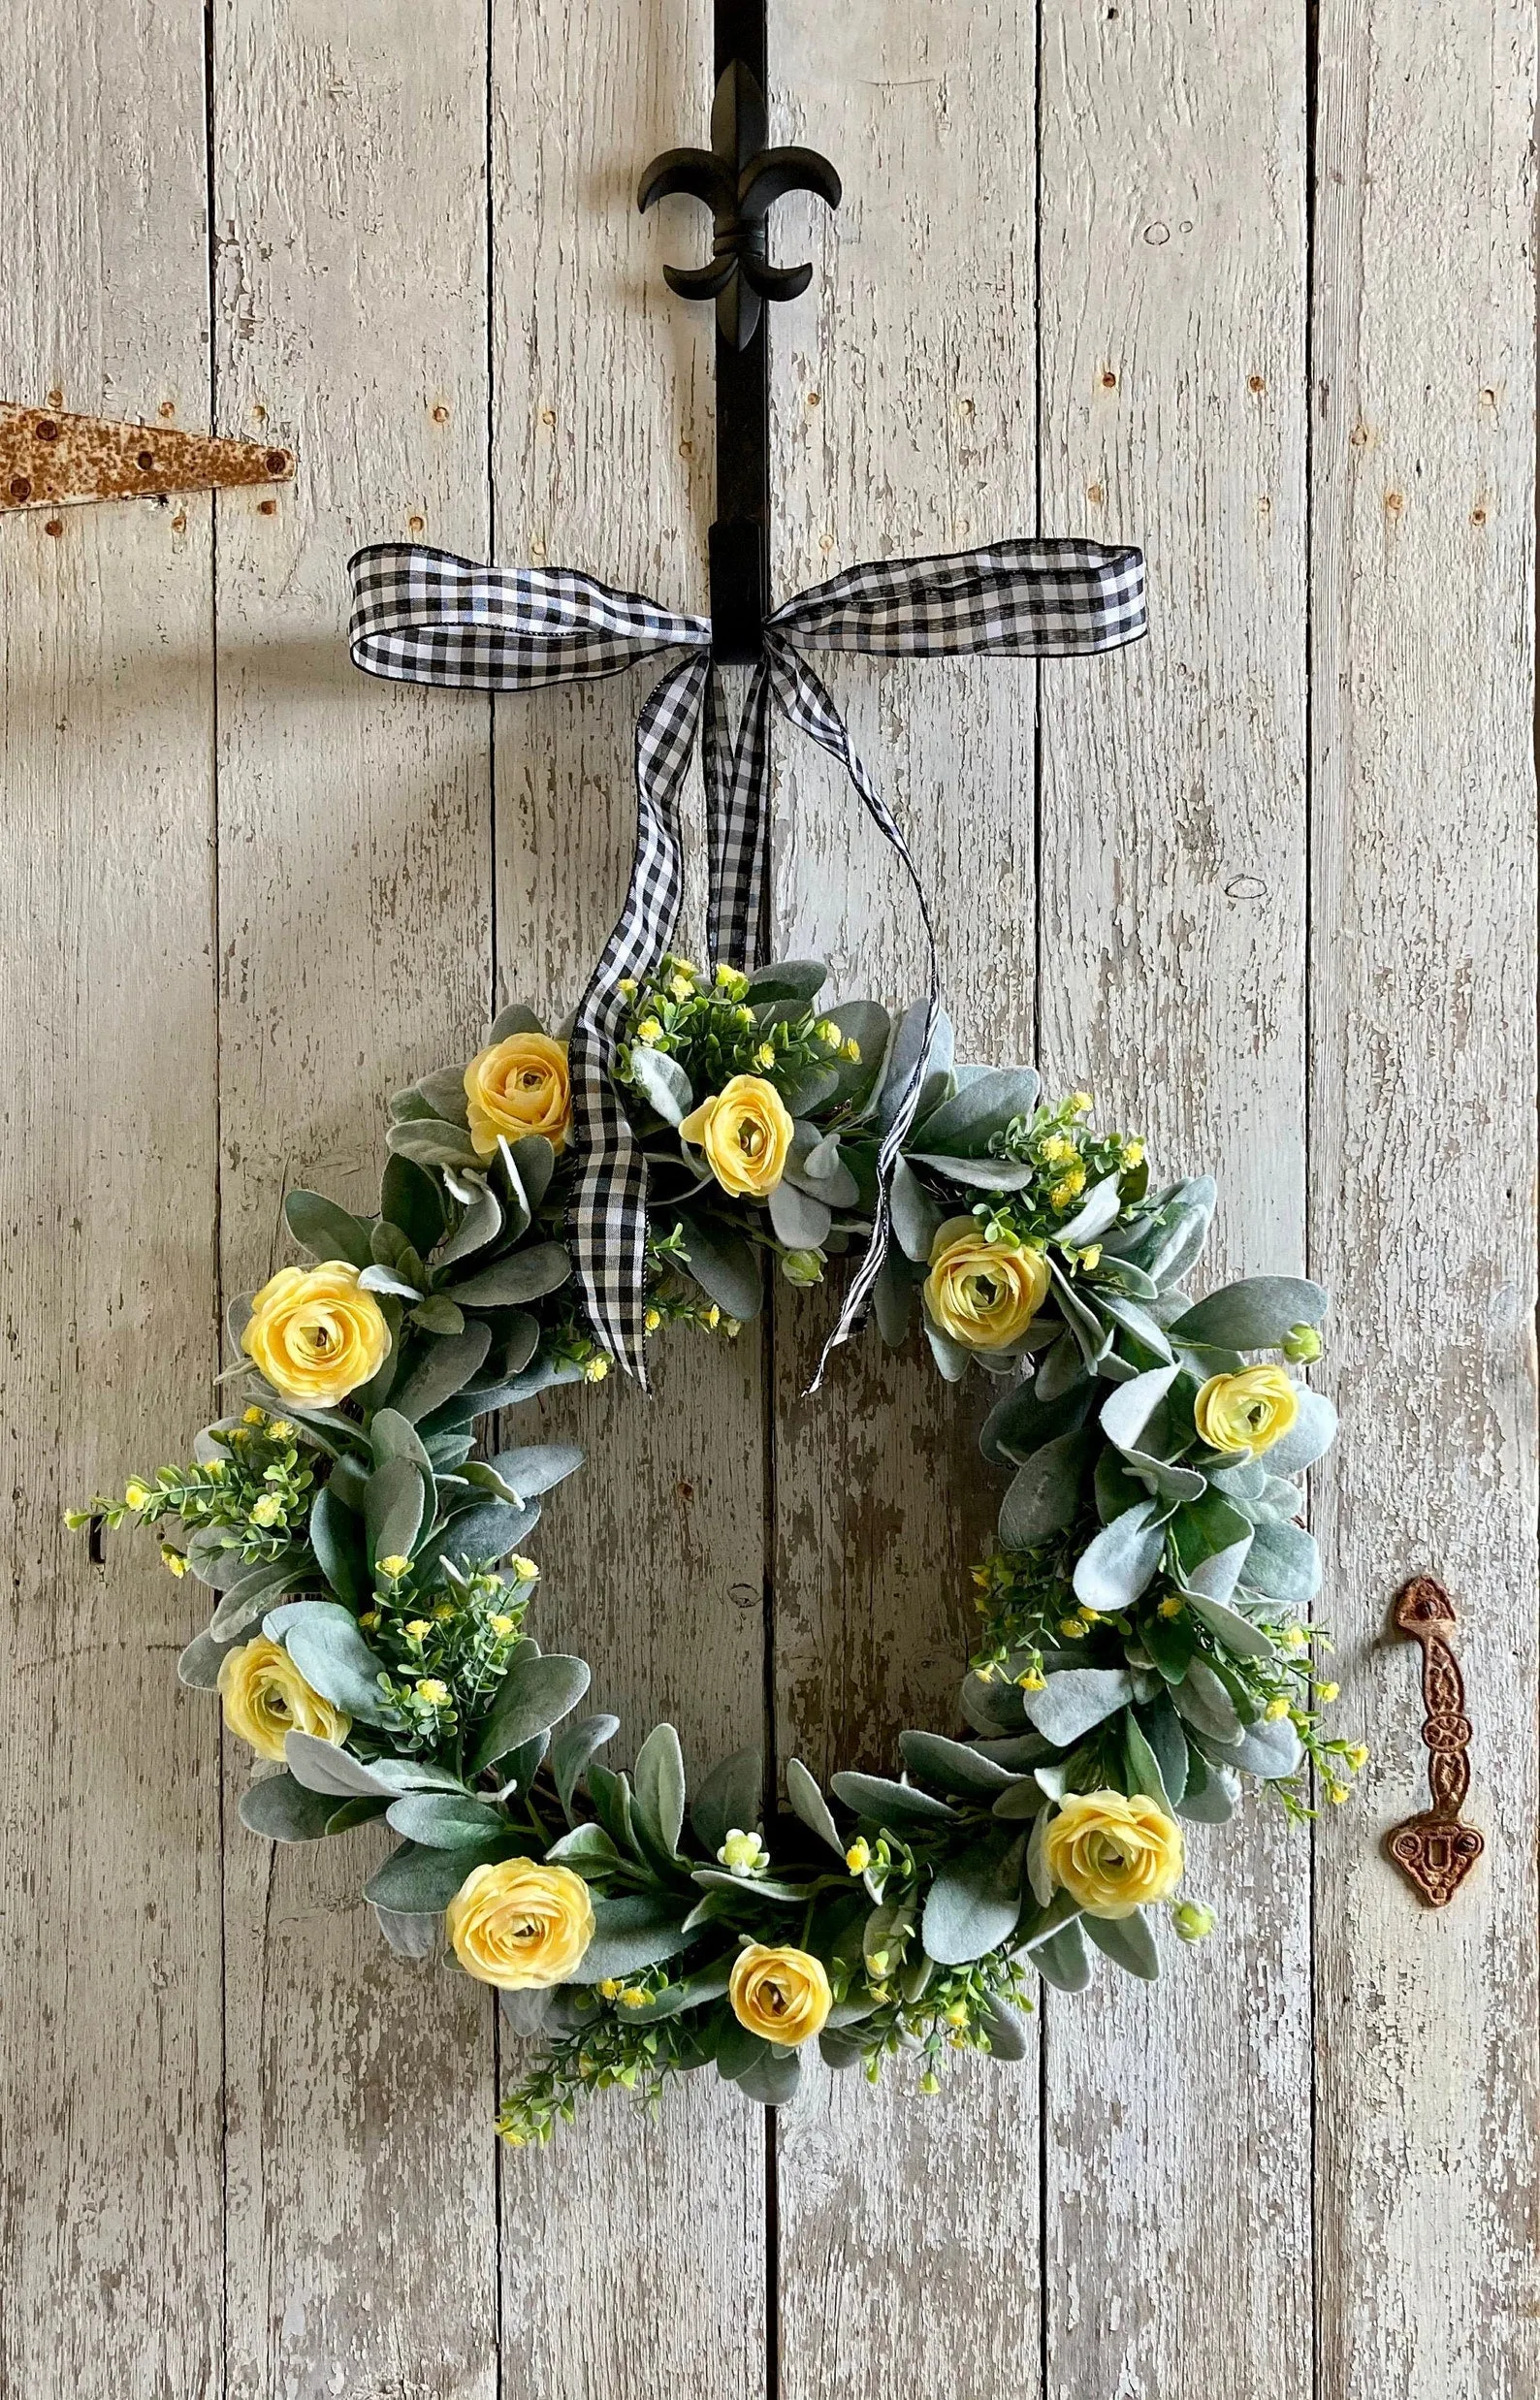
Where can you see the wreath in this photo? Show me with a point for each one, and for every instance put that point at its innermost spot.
(1143, 1648)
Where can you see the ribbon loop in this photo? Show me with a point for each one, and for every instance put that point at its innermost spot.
(427, 616)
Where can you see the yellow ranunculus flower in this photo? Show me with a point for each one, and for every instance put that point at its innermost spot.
(1113, 1854)
(782, 1995)
(314, 1334)
(746, 1132)
(516, 1087)
(1246, 1412)
(265, 1697)
(521, 1925)
(983, 1293)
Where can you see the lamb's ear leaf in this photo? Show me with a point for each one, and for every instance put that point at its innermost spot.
(394, 1502)
(731, 1795)
(336, 1538)
(412, 1201)
(410, 1934)
(724, 1265)
(660, 1786)
(662, 1083)
(973, 1901)
(318, 1225)
(515, 1018)
(533, 1695)
(1258, 1314)
(636, 1931)
(572, 1750)
(1127, 1943)
(285, 1810)
(414, 1881)
(806, 1798)
(325, 1644)
(446, 1368)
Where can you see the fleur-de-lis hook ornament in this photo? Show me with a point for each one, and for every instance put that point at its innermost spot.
(739, 181)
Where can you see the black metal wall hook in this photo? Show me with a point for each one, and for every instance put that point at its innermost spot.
(740, 181)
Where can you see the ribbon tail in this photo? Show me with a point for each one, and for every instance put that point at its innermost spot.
(808, 705)
(738, 815)
(607, 1213)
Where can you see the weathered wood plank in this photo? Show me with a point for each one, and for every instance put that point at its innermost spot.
(633, 2253)
(110, 2036)
(349, 153)
(1173, 197)
(904, 423)
(1422, 1075)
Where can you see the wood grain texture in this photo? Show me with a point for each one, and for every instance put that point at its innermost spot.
(903, 398)
(110, 2028)
(633, 2253)
(1173, 864)
(1423, 1077)
(355, 953)
(431, 280)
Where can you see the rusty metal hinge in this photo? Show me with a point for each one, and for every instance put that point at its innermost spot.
(49, 459)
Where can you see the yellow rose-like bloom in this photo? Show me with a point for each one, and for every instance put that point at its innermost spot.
(265, 1696)
(517, 1087)
(1246, 1412)
(314, 1334)
(746, 1134)
(782, 1995)
(520, 1925)
(983, 1293)
(1113, 1854)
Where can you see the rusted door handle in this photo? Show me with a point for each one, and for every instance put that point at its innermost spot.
(1437, 1850)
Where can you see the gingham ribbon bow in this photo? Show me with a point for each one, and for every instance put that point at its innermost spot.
(424, 616)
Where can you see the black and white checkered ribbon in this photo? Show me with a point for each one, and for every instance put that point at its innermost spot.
(425, 616)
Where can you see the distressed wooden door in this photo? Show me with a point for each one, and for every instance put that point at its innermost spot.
(1248, 284)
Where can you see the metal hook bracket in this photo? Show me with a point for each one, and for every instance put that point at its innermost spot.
(740, 179)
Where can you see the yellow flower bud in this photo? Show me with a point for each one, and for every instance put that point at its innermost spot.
(268, 1509)
(1114, 1853)
(1133, 1154)
(1171, 1606)
(648, 1030)
(1081, 1104)
(172, 1561)
(1247, 1413)
(516, 1087)
(745, 1130)
(501, 1626)
(431, 1692)
(853, 1051)
(610, 1988)
(742, 1853)
(1276, 1709)
(595, 1369)
(521, 1925)
(523, 1570)
(1073, 1628)
(417, 1629)
(1358, 1757)
(1032, 1679)
(1325, 1693)
(633, 1997)
(1066, 1191)
(265, 1698)
(135, 1494)
(983, 1293)
(653, 1319)
(781, 1993)
(314, 1334)
(858, 1857)
(394, 1566)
